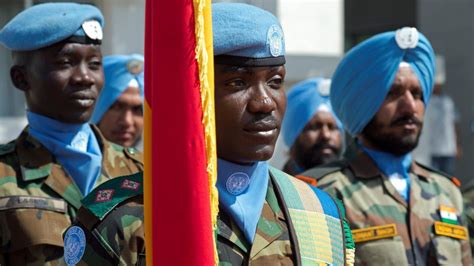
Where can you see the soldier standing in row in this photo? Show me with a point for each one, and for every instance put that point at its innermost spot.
(119, 110)
(265, 216)
(59, 158)
(310, 129)
(401, 213)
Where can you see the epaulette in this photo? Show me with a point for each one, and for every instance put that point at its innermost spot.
(104, 198)
(323, 170)
(7, 148)
(453, 179)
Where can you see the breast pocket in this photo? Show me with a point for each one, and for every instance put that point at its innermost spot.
(387, 251)
(446, 250)
(27, 221)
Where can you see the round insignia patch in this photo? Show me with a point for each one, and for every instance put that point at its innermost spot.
(407, 37)
(93, 29)
(237, 183)
(324, 87)
(275, 40)
(135, 66)
(74, 245)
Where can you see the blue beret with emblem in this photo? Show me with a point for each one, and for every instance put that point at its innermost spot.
(246, 35)
(119, 71)
(46, 24)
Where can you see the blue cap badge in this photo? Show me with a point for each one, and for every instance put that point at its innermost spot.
(74, 245)
(237, 183)
(275, 40)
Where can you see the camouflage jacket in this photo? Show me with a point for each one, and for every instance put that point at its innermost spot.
(386, 229)
(38, 200)
(468, 196)
(113, 229)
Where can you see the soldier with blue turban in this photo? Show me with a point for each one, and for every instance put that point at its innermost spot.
(266, 217)
(59, 157)
(119, 109)
(310, 129)
(400, 212)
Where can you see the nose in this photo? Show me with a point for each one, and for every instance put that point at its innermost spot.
(126, 118)
(82, 75)
(261, 101)
(325, 133)
(408, 102)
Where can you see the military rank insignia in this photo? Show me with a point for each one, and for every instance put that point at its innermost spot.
(129, 184)
(104, 195)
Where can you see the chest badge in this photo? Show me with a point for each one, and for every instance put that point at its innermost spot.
(448, 214)
(374, 233)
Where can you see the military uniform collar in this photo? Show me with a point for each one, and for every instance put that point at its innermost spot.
(364, 167)
(36, 162)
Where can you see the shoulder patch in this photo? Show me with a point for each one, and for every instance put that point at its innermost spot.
(108, 195)
(7, 148)
(321, 171)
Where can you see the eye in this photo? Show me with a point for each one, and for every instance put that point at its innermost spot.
(275, 83)
(417, 94)
(95, 64)
(64, 62)
(237, 84)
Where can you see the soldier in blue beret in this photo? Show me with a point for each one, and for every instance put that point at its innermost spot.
(59, 158)
(266, 217)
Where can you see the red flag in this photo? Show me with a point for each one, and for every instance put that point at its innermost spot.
(180, 159)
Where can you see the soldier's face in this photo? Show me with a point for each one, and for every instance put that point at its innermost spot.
(123, 122)
(64, 80)
(397, 125)
(250, 104)
(320, 141)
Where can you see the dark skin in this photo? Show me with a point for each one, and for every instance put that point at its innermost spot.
(396, 127)
(320, 141)
(61, 81)
(250, 105)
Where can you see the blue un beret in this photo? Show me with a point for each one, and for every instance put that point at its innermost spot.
(119, 70)
(45, 24)
(246, 35)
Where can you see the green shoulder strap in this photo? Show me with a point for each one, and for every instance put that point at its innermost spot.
(108, 195)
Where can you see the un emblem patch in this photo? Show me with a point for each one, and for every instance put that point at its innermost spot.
(237, 183)
(74, 245)
(275, 40)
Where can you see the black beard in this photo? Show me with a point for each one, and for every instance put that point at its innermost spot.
(391, 143)
(312, 157)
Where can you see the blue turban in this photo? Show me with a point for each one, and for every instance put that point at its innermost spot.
(304, 101)
(45, 24)
(246, 35)
(119, 70)
(367, 72)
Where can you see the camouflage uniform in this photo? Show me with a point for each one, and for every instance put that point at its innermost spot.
(393, 232)
(468, 196)
(114, 229)
(38, 200)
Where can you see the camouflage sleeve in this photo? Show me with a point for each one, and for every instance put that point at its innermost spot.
(118, 239)
(469, 214)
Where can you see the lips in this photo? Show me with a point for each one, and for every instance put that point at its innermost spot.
(83, 98)
(266, 128)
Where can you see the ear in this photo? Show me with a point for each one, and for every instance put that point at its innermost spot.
(18, 77)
